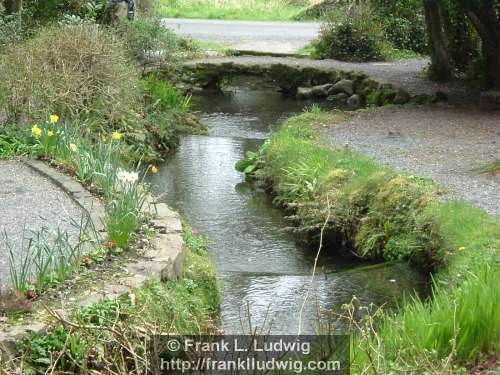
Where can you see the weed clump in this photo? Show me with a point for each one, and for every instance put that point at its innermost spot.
(69, 70)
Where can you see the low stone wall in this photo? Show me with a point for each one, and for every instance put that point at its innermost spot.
(356, 89)
(163, 260)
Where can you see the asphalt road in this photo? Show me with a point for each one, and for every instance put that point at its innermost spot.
(263, 37)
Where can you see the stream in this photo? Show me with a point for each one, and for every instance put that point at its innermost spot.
(264, 273)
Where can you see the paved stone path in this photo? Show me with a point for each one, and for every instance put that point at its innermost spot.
(256, 36)
(29, 202)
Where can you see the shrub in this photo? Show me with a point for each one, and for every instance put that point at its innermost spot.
(407, 34)
(148, 39)
(355, 37)
(11, 31)
(68, 70)
(45, 11)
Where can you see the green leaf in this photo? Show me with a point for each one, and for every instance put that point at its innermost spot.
(251, 168)
(241, 165)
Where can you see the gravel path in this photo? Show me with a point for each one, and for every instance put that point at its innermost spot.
(445, 143)
(405, 74)
(29, 202)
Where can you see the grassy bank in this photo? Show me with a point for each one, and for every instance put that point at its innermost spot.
(111, 336)
(380, 214)
(254, 10)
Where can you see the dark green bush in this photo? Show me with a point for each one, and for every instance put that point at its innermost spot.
(348, 41)
(406, 34)
(403, 23)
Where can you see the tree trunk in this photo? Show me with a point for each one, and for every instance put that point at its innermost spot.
(441, 68)
(487, 24)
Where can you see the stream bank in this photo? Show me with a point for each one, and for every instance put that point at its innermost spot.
(263, 270)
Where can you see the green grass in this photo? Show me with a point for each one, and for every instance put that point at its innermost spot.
(379, 212)
(254, 10)
(389, 215)
(491, 168)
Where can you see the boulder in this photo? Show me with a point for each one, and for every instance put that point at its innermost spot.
(304, 92)
(402, 97)
(338, 98)
(344, 85)
(354, 102)
(321, 91)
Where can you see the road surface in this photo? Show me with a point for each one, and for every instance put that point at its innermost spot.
(260, 37)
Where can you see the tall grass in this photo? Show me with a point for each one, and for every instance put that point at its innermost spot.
(457, 326)
(45, 258)
(265, 10)
(124, 215)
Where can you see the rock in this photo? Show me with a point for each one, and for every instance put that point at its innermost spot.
(338, 98)
(344, 85)
(117, 10)
(304, 92)
(490, 100)
(402, 97)
(321, 91)
(354, 102)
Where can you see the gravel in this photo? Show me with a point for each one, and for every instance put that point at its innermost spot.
(30, 202)
(443, 142)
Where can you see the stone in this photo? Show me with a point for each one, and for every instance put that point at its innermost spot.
(354, 102)
(490, 99)
(304, 92)
(338, 98)
(344, 85)
(321, 91)
(402, 97)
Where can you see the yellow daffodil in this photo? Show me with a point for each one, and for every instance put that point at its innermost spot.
(54, 119)
(154, 169)
(36, 131)
(462, 248)
(116, 136)
(50, 133)
(104, 138)
(73, 147)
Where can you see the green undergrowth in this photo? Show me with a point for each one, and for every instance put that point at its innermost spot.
(110, 336)
(382, 214)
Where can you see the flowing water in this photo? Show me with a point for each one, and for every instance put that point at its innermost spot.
(264, 273)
